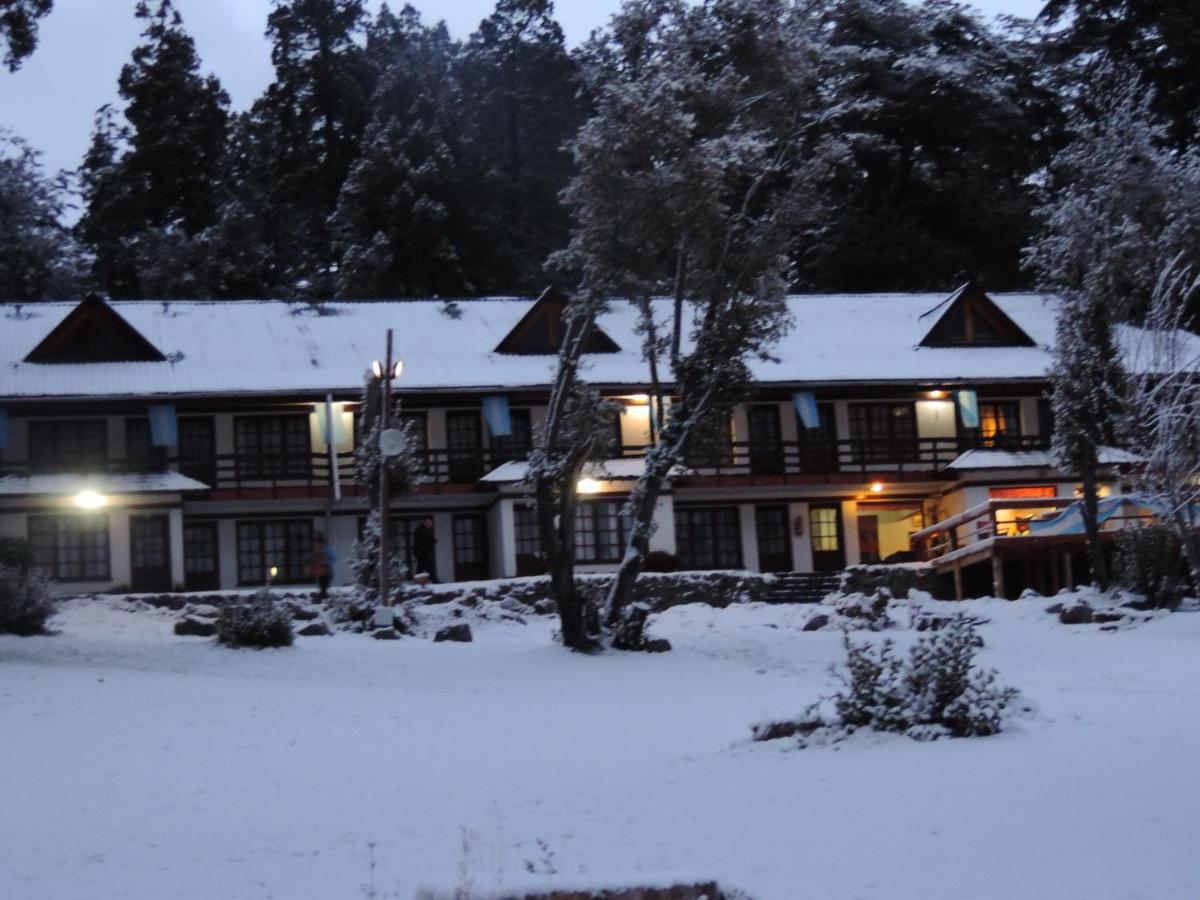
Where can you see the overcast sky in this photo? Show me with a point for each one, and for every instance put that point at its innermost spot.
(52, 99)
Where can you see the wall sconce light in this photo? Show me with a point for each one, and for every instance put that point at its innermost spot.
(90, 500)
(937, 395)
(876, 487)
(587, 486)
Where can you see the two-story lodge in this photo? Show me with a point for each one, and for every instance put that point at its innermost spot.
(150, 445)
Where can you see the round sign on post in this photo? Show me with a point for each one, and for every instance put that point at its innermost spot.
(391, 442)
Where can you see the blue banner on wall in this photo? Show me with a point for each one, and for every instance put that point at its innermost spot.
(806, 407)
(3, 428)
(495, 410)
(968, 408)
(164, 427)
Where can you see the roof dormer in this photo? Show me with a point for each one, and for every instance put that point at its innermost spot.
(94, 332)
(541, 330)
(970, 318)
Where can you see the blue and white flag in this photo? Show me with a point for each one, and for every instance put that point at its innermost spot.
(806, 407)
(968, 408)
(3, 428)
(164, 427)
(495, 410)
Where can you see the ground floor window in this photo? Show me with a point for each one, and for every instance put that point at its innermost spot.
(599, 535)
(708, 537)
(470, 547)
(200, 548)
(285, 545)
(71, 548)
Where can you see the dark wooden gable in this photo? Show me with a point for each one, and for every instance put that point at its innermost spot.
(94, 332)
(540, 331)
(970, 318)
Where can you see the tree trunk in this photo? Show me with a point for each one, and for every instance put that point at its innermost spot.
(1088, 473)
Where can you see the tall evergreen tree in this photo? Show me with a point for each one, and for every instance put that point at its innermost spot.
(404, 217)
(1160, 39)
(935, 123)
(39, 260)
(522, 91)
(19, 28)
(160, 172)
(317, 109)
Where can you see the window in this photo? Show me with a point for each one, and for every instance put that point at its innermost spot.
(1033, 492)
(525, 526)
(708, 538)
(272, 446)
(464, 446)
(599, 536)
(825, 522)
(200, 548)
(140, 454)
(417, 424)
(470, 548)
(999, 422)
(70, 548)
(284, 544)
(198, 449)
(883, 432)
(68, 445)
(516, 445)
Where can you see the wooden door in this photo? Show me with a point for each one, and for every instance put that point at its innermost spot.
(470, 547)
(149, 553)
(774, 538)
(201, 557)
(766, 441)
(818, 446)
(868, 538)
(465, 447)
(825, 534)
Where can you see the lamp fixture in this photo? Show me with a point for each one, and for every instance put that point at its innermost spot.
(937, 395)
(587, 486)
(89, 499)
(876, 487)
(377, 369)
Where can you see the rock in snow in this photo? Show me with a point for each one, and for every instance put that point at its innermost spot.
(460, 633)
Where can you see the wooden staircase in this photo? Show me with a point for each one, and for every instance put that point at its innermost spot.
(803, 587)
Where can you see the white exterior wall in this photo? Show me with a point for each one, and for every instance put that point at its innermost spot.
(801, 543)
(502, 539)
(749, 537)
(850, 532)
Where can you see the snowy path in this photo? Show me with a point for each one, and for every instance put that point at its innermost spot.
(137, 764)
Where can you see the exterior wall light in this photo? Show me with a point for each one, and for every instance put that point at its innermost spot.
(937, 395)
(587, 486)
(90, 500)
(876, 487)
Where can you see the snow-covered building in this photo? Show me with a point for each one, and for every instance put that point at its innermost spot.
(149, 444)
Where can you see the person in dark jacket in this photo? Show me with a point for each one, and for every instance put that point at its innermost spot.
(424, 548)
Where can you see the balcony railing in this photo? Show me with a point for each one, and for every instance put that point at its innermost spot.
(460, 468)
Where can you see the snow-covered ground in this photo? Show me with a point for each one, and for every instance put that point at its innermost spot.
(134, 763)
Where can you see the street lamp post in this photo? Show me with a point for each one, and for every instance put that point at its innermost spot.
(384, 374)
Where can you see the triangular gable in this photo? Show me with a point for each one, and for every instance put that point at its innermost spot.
(94, 332)
(970, 318)
(540, 331)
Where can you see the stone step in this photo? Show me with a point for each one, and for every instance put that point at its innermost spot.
(803, 587)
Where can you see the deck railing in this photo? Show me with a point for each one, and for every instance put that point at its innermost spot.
(284, 474)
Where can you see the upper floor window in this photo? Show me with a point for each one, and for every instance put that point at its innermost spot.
(883, 432)
(68, 445)
(999, 422)
(272, 446)
(516, 444)
(198, 448)
(140, 454)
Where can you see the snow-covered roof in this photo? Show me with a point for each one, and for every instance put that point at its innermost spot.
(974, 460)
(71, 484)
(628, 469)
(262, 347)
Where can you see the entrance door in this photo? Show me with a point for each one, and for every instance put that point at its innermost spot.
(470, 548)
(201, 560)
(774, 538)
(465, 447)
(766, 441)
(868, 538)
(149, 553)
(825, 521)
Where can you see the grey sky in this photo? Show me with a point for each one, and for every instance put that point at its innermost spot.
(51, 101)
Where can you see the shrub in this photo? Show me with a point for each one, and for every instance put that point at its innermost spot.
(255, 621)
(1149, 561)
(661, 561)
(16, 554)
(937, 691)
(25, 602)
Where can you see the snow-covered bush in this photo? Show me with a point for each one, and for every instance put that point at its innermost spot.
(16, 554)
(25, 602)
(937, 691)
(1149, 561)
(255, 621)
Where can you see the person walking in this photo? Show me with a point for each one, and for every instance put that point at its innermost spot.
(424, 549)
(320, 564)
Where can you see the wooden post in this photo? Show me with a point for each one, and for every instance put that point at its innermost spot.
(958, 585)
(1068, 575)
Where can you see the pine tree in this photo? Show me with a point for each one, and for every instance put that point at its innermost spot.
(19, 28)
(39, 260)
(140, 197)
